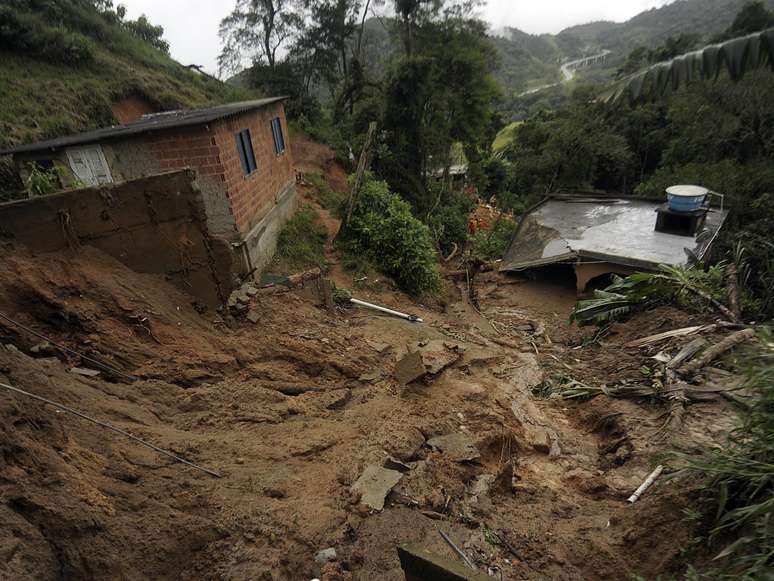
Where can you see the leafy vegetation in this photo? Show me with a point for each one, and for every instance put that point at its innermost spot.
(64, 63)
(691, 288)
(301, 243)
(738, 479)
(492, 244)
(323, 194)
(42, 181)
(384, 230)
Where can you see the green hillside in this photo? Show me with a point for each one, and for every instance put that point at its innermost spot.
(530, 61)
(63, 63)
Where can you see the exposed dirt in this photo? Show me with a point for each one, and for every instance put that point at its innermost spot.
(78, 501)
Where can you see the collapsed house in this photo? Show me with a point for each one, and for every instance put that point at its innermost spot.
(603, 235)
(241, 191)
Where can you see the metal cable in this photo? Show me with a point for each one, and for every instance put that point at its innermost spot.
(69, 410)
(68, 350)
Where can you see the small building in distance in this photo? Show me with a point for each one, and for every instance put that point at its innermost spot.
(239, 152)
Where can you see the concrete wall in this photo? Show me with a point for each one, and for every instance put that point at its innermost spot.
(153, 225)
(247, 211)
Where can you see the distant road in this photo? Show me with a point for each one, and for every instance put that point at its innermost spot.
(568, 71)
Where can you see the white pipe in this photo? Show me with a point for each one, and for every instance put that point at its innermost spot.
(645, 485)
(412, 318)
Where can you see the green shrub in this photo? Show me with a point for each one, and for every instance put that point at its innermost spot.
(384, 230)
(449, 222)
(301, 243)
(26, 34)
(738, 478)
(41, 182)
(492, 244)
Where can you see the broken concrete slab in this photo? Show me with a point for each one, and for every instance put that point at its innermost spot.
(392, 463)
(410, 368)
(253, 316)
(459, 447)
(374, 484)
(419, 563)
(84, 371)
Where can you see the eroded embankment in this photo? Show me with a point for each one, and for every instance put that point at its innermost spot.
(291, 410)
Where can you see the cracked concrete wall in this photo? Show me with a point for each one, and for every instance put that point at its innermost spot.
(155, 225)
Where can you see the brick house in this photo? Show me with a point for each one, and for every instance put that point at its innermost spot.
(238, 151)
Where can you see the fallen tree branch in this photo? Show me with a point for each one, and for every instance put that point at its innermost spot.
(717, 350)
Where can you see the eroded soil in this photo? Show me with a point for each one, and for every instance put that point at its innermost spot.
(78, 501)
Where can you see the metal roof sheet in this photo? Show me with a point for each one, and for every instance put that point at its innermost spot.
(151, 122)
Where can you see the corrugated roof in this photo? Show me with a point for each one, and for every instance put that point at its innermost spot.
(151, 122)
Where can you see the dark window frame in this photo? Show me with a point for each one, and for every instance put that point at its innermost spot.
(244, 145)
(279, 136)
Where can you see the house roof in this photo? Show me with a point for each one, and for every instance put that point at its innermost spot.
(617, 230)
(149, 122)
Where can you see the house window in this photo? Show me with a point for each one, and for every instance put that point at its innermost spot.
(245, 149)
(279, 139)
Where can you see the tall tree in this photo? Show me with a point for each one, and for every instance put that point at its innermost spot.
(258, 29)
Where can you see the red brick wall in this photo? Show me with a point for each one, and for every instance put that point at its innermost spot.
(211, 150)
(253, 196)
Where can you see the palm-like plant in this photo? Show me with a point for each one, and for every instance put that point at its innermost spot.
(737, 56)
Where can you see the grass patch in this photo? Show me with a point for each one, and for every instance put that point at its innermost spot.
(301, 244)
(56, 80)
(505, 136)
(323, 194)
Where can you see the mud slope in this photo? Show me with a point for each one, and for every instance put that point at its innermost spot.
(79, 502)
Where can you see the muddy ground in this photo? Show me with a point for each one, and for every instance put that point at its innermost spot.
(293, 408)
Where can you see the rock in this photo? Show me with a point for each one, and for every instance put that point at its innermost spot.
(335, 399)
(459, 447)
(410, 368)
(378, 346)
(374, 484)
(242, 296)
(325, 555)
(437, 355)
(538, 439)
(240, 460)
(251, 290)
(481, 485)
(392, 463)
(370, 376)
(586, 482)
(405, 445)
(253, 316)
(43, 348)
(84, 372)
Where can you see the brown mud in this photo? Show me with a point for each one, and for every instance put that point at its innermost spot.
(545, 499)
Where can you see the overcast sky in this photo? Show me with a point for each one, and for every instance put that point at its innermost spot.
(191, 26)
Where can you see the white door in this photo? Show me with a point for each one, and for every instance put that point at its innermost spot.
(89, 165)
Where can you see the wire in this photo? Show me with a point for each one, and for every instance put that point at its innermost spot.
(69, 410)
(68, 350)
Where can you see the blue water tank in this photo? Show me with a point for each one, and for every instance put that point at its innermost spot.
(686, 198)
